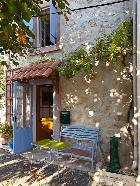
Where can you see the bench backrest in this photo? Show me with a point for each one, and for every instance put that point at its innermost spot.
(80, 133)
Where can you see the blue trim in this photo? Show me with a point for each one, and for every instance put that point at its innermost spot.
(15, 84)
(22, 137)
(24, 105)
(10, 144)
(31, 109)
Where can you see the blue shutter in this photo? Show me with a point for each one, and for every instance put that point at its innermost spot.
(53, 12)
(30, 25)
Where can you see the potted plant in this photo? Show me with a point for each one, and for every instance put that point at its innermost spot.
(6, 132)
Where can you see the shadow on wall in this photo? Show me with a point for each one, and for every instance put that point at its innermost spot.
(102, 101)
(99, 21)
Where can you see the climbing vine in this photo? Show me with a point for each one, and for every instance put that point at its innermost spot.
(75, 62)
(112, 48)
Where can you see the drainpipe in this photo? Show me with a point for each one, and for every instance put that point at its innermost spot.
(135, 119)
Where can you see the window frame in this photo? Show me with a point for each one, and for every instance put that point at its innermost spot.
(36, 41)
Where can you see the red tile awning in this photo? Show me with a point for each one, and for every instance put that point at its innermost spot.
(33, 71)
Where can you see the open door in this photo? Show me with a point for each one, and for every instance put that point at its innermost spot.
(44, 112)
(22, 117)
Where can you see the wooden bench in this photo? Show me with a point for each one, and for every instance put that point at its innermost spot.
(84, 142)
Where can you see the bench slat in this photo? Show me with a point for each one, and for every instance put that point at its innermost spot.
(80, 133)
(81, 138)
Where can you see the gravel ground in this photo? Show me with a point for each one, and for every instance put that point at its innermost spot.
(17, 171)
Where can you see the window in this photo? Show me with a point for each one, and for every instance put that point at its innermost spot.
(46, 29)
(23, 106)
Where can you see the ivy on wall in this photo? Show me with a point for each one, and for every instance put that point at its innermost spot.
(75, 62)
(112, 48)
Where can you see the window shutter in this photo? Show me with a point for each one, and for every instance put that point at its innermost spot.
(36, 42)
(53, 12)
(30, 25)
(9, 96)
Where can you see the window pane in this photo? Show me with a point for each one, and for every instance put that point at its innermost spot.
(27, 107)
(20, 106)
(45, 29)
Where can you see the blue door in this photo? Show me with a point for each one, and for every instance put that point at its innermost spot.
(22, 117)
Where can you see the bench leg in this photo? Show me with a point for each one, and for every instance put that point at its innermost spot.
(92, 164)
(58, 169)
(94, 149)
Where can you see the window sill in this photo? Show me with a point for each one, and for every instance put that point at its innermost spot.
(47, 49)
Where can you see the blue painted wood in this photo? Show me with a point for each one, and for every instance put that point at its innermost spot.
(24, 105)
(53, 35)
(22, 137)
(31, 108)
(30, 26)
(79, 133)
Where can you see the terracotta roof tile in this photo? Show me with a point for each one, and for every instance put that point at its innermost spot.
(41, 70)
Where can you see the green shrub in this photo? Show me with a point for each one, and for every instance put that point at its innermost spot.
(6, 129)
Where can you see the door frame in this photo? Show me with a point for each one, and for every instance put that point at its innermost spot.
(55, 82)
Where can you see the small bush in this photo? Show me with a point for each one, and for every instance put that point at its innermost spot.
(6, 129)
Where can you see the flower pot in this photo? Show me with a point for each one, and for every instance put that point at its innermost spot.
(4, 138)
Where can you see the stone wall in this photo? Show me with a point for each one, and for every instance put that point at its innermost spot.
(2, 110)
(86, 26)
(102, 101)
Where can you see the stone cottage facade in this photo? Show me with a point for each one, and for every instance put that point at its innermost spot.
(104, 100)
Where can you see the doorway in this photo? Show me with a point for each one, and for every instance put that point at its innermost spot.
(44, 111)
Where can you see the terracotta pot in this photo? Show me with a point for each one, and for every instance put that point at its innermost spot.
(4, 138)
